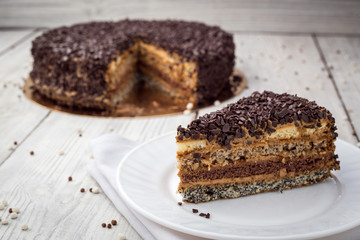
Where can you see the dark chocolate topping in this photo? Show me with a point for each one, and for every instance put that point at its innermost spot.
(60, 54)
(258, 114)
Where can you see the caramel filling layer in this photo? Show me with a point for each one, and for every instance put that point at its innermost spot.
(247, 169)
(170, 71)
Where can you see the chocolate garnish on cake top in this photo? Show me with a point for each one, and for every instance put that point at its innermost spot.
(88, 48)
(255, 116)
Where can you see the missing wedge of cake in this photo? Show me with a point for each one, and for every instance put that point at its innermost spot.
(265, 142)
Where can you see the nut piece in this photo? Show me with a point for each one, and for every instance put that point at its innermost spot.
(187, 112)
(189, 106)
(4, 202)
(4, 222)
(13, 215)
(16, 210)
(96, 190)
(2, 206)
(24, 227)
(122, 236)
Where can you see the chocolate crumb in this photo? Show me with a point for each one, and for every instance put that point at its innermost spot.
(15, 143)
(307, 88)
(103, 225)
(82, 190)
(32, 153)
(80, 135)
(195, 210)
(179, 203)
(70, 178)
(113, 222)
(202, 214)
(109, 226)
(207, 215)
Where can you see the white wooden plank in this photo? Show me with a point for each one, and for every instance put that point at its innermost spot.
(18, 116)
(328, 16)
(53, 207)
(342, 55)
(288, 64)
(9, 39)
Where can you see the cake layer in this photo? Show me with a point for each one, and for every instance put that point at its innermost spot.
(246, 169)
(290, 131)
(213, 156)
(205, 193)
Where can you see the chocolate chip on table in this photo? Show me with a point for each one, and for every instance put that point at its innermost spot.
(15, 143)
(179, 203)
(103, 225)
(113, 222)
(70, 178)
(82, 190)
(32, 153)
(202, 214)
(207, 215)
(10, 210)
(90, 189)
(109, 226)
(195, 210)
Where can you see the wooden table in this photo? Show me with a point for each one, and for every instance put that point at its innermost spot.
(324, 68)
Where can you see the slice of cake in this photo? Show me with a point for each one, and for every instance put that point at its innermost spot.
(265, 142)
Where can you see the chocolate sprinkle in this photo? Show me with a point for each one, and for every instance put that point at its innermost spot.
(258, 114)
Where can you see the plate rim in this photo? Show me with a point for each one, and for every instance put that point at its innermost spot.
(200, 233)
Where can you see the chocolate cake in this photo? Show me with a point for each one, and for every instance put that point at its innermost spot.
(265, 142)
(95, 65)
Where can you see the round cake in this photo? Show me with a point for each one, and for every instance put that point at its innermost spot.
(95, 65)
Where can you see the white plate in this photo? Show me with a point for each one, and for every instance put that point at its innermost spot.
(147, 182)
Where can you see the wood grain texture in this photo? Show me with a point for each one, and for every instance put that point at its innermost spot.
(288, 64)
(18, 116)
(9, 39)
(319, 16)
(342, 56)
(55, 209)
